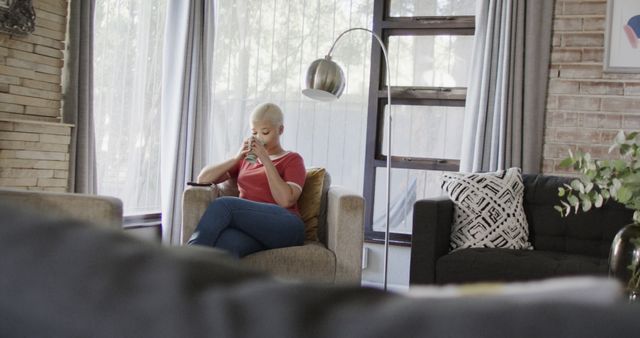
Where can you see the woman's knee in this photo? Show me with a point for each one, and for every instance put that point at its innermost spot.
(225, 200)
(222, 202)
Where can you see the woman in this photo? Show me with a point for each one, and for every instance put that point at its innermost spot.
(265, 215)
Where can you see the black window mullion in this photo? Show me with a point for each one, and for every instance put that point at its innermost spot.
(416, 93)
(430, 31)
(386, 26)
(419, 163)
(422, 22)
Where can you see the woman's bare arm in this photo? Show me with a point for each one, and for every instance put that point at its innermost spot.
(283, 193)
(218, 173)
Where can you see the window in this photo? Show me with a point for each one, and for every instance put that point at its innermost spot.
(128, 40)
(429, 44)
(261, 53)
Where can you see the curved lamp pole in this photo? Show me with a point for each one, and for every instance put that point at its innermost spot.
(325, 81)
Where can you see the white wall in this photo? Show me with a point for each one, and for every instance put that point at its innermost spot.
(398, 266)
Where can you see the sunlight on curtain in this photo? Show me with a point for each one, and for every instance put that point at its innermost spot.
(127, 64)
(262, 51)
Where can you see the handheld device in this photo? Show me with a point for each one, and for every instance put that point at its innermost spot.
(196, 184)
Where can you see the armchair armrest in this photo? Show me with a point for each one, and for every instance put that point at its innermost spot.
(98, 210)
(345, 233)
(432, 220)
(194, 203)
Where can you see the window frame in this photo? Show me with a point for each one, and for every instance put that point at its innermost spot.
(385, 26)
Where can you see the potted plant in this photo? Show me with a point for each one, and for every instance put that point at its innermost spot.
(618, 180)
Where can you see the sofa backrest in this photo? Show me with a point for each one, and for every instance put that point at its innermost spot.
(587, 233)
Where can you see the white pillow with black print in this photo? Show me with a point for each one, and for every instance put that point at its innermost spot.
(488, 211)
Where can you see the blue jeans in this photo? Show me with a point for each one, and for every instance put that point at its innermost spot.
(242, 227)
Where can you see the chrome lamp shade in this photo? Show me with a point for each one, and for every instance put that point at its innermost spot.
(324, 81)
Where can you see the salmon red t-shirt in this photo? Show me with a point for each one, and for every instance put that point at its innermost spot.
(252, 178)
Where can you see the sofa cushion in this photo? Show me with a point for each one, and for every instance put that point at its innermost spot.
(587, 233)
(311, 261)
(490, 264)
(488, 210)
(310, 201)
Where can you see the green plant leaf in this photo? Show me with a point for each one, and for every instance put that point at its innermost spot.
(588, 187)
(573, 201)
(616, 183)
(566, 208)
(566, 163)
(624, 195)
(633, 178)
(620, 137)
(624, 149)
(559, 208)
(604, 179)
(619, 165)
(577, 185)
(598, 201)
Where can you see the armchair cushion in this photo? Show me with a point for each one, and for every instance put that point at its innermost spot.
(310, 201)
(311, 261)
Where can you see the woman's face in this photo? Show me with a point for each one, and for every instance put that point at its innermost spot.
(267, 133)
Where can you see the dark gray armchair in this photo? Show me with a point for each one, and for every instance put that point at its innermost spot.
(575, 245)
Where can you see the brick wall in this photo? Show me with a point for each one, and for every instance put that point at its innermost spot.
(34, 144)
(586, 107)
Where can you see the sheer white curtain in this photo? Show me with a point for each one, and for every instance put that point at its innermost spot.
(262, 51)
(127, 82)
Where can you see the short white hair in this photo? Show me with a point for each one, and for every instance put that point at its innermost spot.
(268, 112)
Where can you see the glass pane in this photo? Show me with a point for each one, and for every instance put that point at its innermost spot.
(127, 81)
(425, 131)
(432, 7)
(407, 186)
(432, 61)
(266, 59)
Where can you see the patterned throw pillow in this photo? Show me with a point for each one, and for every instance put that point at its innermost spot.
(488, 211)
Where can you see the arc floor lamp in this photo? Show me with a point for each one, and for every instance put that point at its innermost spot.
(325, 81)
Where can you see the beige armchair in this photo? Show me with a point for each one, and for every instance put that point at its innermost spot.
(335, 258)
(98, 210)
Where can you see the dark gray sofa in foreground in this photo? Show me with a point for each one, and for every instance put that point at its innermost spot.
(64, 278)
(575, 245)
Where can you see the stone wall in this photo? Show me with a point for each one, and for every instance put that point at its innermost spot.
(34, 144)
(586, 106)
